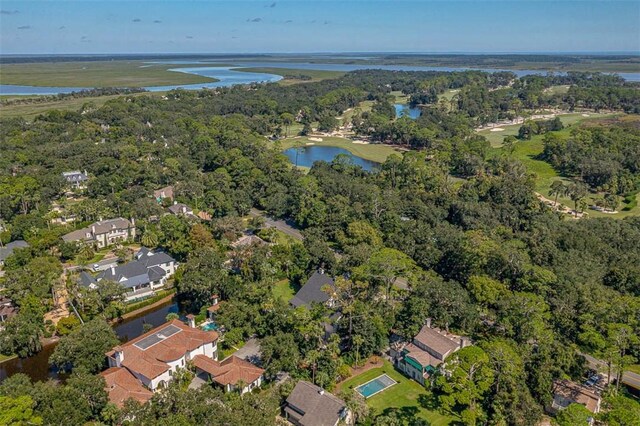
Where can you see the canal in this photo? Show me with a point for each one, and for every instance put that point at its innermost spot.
(37, 366)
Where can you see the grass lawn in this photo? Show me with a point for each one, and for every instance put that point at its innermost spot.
(527, 151)
(373, 152)
(635, 368)
(408, 396)
(284, 290)
(4, 358)
(96, 74)
(294, 76)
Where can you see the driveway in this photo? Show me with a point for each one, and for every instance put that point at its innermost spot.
(250, 351)
(285, 226)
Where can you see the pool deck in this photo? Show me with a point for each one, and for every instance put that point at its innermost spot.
(373, 380)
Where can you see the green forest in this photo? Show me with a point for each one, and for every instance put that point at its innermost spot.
(446, 230)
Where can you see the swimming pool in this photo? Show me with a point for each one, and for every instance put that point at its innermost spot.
(212, 326)
(375, 386)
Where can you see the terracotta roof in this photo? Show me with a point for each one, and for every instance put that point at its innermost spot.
(439, 341)
(421, 356)
(566, 392)
(311, 405)
(214, 308)
(230, 371)
(152, 360)
(121, 385)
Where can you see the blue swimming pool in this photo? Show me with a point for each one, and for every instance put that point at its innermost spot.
(212, 326)
(375, 386)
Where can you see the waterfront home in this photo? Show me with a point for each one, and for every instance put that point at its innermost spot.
(310, 405)
(76, 179)
(122, 385)
(148, 272)
(231, 374)
(429, 348)
(315, 291)
(104, 233)
(8, 249)
(566, 392)
(154, 357)
(7, 309)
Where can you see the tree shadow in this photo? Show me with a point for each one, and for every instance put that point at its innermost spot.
(429, 401)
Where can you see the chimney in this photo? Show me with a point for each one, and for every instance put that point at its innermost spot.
(321, 391)
(113, 270)
(191, 320)
(119, 354)
(321, 271)
(428, 322)
(133, 221)
(93, 229)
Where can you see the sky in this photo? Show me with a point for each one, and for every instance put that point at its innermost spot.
(274, 26)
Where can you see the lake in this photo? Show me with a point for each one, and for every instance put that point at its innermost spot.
(307, 155)
(404, 109)
(37, 366)
(227, 76)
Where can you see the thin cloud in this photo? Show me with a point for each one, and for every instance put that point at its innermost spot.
(288, 21)
(83, 38)
(137, 20)
(272, 5)
(62, 28)
(326, 22)
(157, 21)
(9, 12)
(189, 37)
(25, 27)
(254, 20)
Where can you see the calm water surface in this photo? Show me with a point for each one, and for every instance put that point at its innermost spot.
(404, 109)
(229, 77)
(307, 155)
(37, 366)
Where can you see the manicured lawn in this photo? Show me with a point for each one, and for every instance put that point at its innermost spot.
(527, 151)
(373, 152)
(284, 290)
(4, 358)
(635, 368)
(408, 396)
(96, 74)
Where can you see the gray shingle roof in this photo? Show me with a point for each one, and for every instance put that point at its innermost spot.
(8, 249)
(313, 406)
(86, 279)
(312, 291)
(153, 258)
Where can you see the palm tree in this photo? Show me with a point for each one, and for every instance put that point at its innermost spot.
(577, 191)
(357, 342)
(312, 360)
(557, 189)
(149, 239)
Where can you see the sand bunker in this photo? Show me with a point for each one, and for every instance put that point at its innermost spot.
(316, 139)
(309, 143)
(585, 115)
(360, 142)
(497, 129)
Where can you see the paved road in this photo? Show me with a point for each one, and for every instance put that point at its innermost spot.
(281, 225)
(628, 378)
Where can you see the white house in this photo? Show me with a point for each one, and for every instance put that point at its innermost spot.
(156, 356)
(104, 233)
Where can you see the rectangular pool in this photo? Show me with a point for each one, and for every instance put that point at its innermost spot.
(375, 386)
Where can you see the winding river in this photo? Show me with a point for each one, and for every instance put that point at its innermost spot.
(229, 76)
(37, 366)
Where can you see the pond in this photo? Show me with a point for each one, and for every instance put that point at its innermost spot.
(307, 155)
(37, 366)
(404, 109)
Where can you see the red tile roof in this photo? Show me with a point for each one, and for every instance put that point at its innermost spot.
(230, 371)
(152, 361)
(121, 385)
